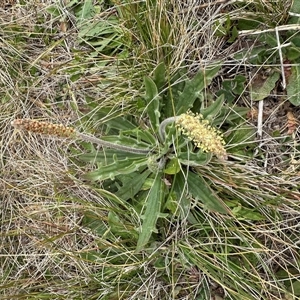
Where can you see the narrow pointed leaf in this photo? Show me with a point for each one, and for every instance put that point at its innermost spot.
(193, 88)
(210, 112)
(180, 189)
(199, 189)
(132, 184)
(152, 212)
(118, 167)
(152, 99)
(108, 156)
(159, 76)
(261, 88)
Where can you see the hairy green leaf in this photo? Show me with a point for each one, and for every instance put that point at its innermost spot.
(293, 86)
(211, 111)
(199, 189)
(108, 156)
(152, 212)
(118, 167)
(261, 88)
(193, 88)
(193, 159)
(159, 76)
(131, 184)
(152, 99)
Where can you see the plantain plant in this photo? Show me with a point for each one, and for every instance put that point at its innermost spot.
(153, 164)
(175, 135)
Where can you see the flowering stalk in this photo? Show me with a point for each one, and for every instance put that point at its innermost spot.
(198, 130)
(60, 130)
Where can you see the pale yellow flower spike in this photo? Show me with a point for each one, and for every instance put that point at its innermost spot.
(202, 134)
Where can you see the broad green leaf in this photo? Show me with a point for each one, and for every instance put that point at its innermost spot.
(152, 212)
(95, 222)
(53, 10)
(108, 156)
(211, 111)
(238, 84)
(240, 136)
(71, 3)
(132, 184)
(152, 100)
(194, 159)
(172, 204)
(293, 86)
(232, 87)
(234, 34)
(118, 227)
(141, 136)
(100, 28)
(244, 213)
(145, 135)
(180, 189)
(248, 24)
(172, 167)
(86, 12)
(232, 116)
(293, 52)
(159, 76)
(193, 88)
(118, 167)
(295, 9)
(269, 39)
(199, 189)
(120, 123)
(295, 288)
(261, 88)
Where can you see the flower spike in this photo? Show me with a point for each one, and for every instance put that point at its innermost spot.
(44, 128)
(203, 135)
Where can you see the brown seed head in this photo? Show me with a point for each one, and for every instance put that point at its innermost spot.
(44, 128)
